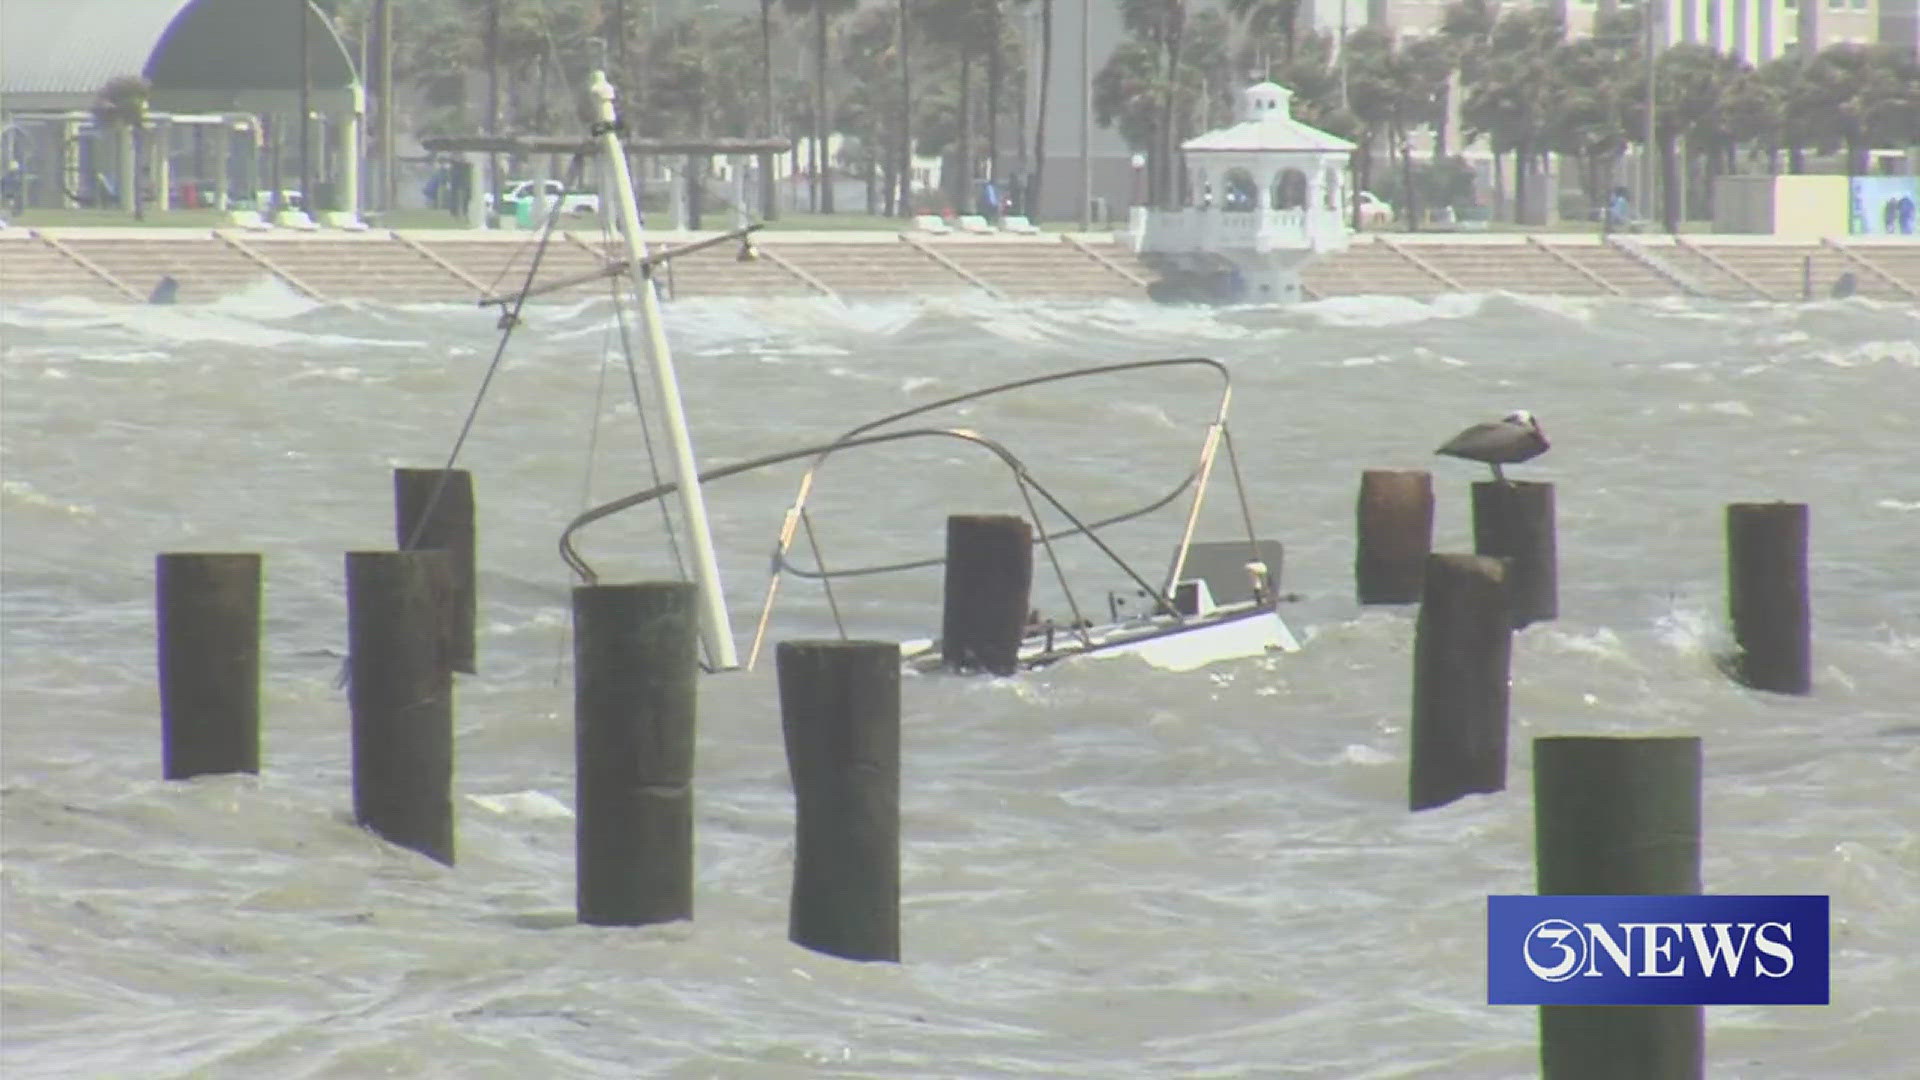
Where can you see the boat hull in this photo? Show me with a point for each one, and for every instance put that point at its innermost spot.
(1233, 632)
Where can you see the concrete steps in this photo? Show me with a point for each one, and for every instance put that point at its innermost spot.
(501, 265)
(718, 271)
(1508, 268)
(1041, 269)
(1626, 273)
(345, 267)
(894, 270)
(408, 267)
(1901, 262)
(1780, 269)
(205, 268)
(1369, 268)
(32, 269)
(1714, 281)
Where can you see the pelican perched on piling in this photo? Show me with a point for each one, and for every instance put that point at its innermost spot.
(1513, 438)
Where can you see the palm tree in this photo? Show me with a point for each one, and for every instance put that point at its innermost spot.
(1260, 18)
(1040, 119)
(1160, 23)
(905, 34)
(769, 197)
(823, 12)
(121, 107)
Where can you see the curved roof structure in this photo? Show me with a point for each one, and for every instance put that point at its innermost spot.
(1266, 124)
(198, 54)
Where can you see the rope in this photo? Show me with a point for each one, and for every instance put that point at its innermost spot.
(508, 320)
(813, 542)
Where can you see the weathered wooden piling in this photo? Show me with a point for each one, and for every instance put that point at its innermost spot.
(989, 580)
(1514, 521)
(207, 607)
(401, 693)
(1767, 595)
(1462, 650)
(1395, 535)
(444, 499)
(840, 710)
(1618, 816)
(636, 665)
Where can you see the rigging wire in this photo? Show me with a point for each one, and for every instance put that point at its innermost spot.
(643, 280)
(509, 319)
(586, 483)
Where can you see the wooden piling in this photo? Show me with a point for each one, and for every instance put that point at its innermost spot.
(1618, 816)
(1514, 521)
(636, 665)
(988, 583)
(1395, 535)
(840, 710)
(207, 607)
(451, 528)
(1461, 656)
(401, 694)
(1767, 595)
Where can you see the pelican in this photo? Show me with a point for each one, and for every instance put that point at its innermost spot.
(1513, 438)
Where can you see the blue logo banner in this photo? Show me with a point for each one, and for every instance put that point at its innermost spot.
(1657, 950)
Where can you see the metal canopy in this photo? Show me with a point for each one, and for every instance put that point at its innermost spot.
(548, 144)
(200, 55)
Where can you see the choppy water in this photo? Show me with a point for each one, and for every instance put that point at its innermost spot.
(1107, 872)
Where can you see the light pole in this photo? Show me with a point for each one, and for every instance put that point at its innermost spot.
(1086, 118)
(1652, 163)
(306, 114)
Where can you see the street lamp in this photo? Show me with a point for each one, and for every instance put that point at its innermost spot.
(1139, 174)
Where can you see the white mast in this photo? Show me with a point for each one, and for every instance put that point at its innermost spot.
(716, 633)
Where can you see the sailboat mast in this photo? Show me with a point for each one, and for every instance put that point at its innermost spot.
(716, 633)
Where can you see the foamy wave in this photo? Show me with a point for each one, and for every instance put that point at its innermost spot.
(23, 493)
(1690, 631)
(1375, 311)
(1896, 504)
(524, 805)
(1905, 353)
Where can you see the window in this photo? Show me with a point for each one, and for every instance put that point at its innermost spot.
(1290, 190)
(1241, 194)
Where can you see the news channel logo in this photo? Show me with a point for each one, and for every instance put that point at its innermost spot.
(1657, 950)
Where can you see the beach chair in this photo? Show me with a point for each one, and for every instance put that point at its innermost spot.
(344, 220)
(295, 219)
(247, 219)
(975, 224)
(1019, 226)
(931, 223)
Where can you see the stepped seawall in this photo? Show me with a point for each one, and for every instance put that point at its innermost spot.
(455, 265)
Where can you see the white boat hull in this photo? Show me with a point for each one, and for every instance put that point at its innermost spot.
(1234, 632)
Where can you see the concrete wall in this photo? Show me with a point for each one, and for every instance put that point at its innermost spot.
(1809, 207)
(1743, 204)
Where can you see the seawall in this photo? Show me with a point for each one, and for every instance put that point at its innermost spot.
(460, 266)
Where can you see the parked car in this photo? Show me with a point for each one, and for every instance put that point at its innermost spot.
(1375, 212)
(570, 202)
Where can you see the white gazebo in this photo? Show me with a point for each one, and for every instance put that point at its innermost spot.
(1265, 195)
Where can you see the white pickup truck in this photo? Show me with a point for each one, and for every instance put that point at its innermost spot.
(570, 202)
